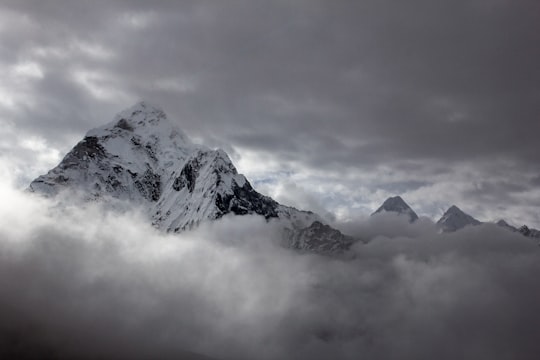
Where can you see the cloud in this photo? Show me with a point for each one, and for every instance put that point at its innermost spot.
(388, 224)
(88, 282)
(290, 194)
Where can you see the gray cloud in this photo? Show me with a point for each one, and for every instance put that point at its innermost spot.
(87, 283)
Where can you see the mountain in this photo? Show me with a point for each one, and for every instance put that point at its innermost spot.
(454, 219)
(143, 158)
(320, 238)
(397, 205)
(502, 223)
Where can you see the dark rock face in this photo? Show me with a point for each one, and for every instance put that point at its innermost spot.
(179, 183)
(188, 176)
(87, 150)
(246, 200)
(526, 231)
(89, 147)
(123, 124)
(320, 238)
(149, 185)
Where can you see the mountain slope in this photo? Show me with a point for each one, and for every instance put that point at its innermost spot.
(321, 238)
(454, 219)
(397, 205)
(143, 158)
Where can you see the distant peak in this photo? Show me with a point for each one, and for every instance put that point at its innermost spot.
(398, 205)
(454, 209)
(454, 219)
(395, 200)
(504, 224)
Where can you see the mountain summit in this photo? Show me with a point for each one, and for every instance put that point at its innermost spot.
(454, 219)
(397, 205)
(143, 158)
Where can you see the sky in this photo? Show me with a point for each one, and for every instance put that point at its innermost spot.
(325, 105)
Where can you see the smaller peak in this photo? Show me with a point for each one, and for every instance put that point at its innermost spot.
(395, 199)
(318, 225)
(454, 209)
(454, 219)
(398, 205)
(395, 202)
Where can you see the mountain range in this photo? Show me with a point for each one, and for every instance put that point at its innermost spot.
(142, 158)
(453, 219)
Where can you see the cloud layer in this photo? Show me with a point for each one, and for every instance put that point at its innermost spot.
(87, 282)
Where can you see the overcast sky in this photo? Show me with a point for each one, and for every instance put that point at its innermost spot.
(328, 105)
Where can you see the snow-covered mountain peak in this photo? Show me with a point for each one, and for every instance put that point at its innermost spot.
(396, 204)
(141, 155)
(146, 159)
(144, 108)
(143, 120)
(454, 219)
